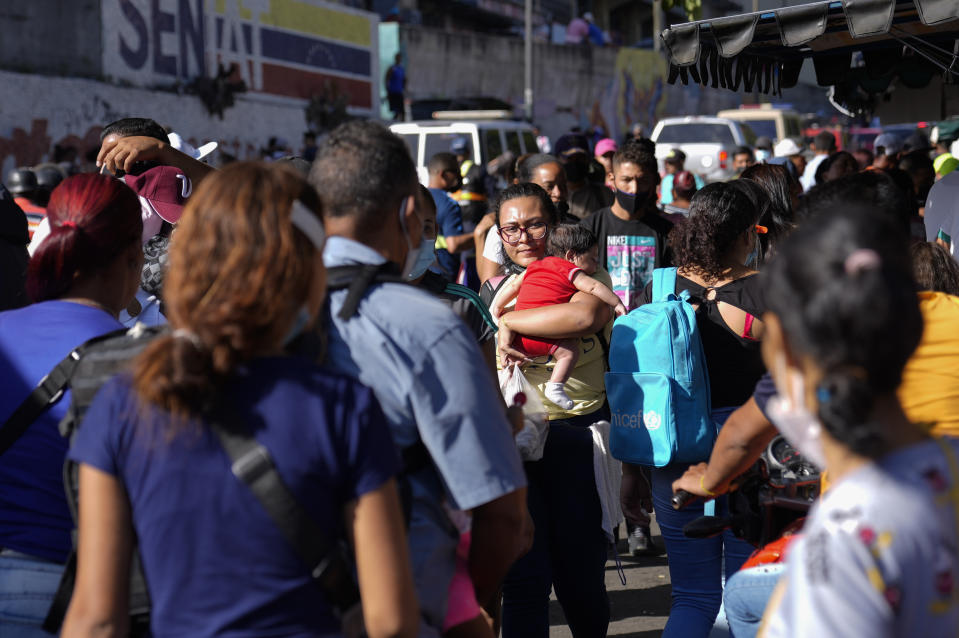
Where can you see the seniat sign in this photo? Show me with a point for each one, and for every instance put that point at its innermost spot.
(288, 48)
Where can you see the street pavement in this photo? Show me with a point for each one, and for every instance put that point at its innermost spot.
(640, 608)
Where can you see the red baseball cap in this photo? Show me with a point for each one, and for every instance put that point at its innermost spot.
(165, 188)
(684, 181)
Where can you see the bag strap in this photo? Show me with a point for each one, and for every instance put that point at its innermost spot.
(664, 283)
(356, 279)
(253, 466)
(473, 298)
(50, 390)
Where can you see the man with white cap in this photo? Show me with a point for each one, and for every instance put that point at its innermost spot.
(180, 144)
(788, 149)
(887, 148)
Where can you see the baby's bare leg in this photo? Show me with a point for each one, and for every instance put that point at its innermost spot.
(566, 355)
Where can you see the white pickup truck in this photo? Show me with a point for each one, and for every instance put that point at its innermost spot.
(708, 142)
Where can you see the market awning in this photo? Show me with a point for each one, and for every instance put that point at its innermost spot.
(910, 41)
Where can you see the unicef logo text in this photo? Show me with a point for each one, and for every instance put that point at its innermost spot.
(651, 420)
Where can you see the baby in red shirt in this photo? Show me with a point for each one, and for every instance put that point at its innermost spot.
(573, 255)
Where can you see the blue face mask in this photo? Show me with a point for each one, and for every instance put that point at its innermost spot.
(299, 323)
(424, 259)
(412, 254)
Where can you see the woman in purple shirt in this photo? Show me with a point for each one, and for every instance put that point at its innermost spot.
(245, 278)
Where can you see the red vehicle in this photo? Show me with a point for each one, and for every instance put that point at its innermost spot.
(860, 137)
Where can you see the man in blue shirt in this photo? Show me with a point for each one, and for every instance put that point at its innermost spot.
(444, 179)
(395, 86)
(424, 367)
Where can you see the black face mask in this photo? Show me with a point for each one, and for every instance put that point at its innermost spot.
(633, 203)
(576, 171)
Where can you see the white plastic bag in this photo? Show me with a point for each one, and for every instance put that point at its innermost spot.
(532, 438)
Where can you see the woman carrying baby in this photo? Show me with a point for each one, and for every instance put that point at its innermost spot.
(569, 548)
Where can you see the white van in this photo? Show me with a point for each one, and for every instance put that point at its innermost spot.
(767, 121)
(486, 139)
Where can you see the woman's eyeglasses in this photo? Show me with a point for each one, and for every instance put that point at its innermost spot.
(512, 234)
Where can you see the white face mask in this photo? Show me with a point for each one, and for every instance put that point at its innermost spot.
(787, 410)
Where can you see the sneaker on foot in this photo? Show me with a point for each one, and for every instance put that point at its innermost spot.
(641, 543)
(556, 393)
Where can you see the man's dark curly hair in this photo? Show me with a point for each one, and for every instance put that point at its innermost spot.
(637, 153)
(718, 214)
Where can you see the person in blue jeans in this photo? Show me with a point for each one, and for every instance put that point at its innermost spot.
(714, 252)
(83, 274)
(746, 596)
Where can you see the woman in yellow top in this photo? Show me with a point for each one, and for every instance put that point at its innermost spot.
(569, 546)
(929, 392)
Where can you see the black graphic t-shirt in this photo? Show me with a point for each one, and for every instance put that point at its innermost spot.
(630, 250)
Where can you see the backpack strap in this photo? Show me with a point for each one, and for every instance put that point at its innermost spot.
(473, 298)
(328, 560)
(50, 390)
(604, 344)
(664, 283)
(356, 279)
(495, 284)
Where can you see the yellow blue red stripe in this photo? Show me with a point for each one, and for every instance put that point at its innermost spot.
(328, 23)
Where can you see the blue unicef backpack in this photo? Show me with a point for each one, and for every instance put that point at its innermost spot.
(657, 384)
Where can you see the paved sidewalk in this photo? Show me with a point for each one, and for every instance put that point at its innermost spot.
(639, 609)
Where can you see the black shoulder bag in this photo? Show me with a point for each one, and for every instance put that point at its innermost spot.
(330, 561)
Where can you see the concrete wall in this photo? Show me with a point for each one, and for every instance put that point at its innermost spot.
(45, 111)
(572, 85)
(58, 37)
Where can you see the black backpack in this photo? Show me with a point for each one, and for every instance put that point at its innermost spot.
(83, 371)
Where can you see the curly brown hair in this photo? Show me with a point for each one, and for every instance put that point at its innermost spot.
(238, 273)
(934, 268)
(718, 214)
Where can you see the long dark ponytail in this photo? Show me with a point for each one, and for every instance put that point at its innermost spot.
(843, 291)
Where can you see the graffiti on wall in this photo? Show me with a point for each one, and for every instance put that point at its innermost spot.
(60, 119)
(290, 48)
(634, 95)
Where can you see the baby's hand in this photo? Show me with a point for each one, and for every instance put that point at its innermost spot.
(620, 310)
(496, 311)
